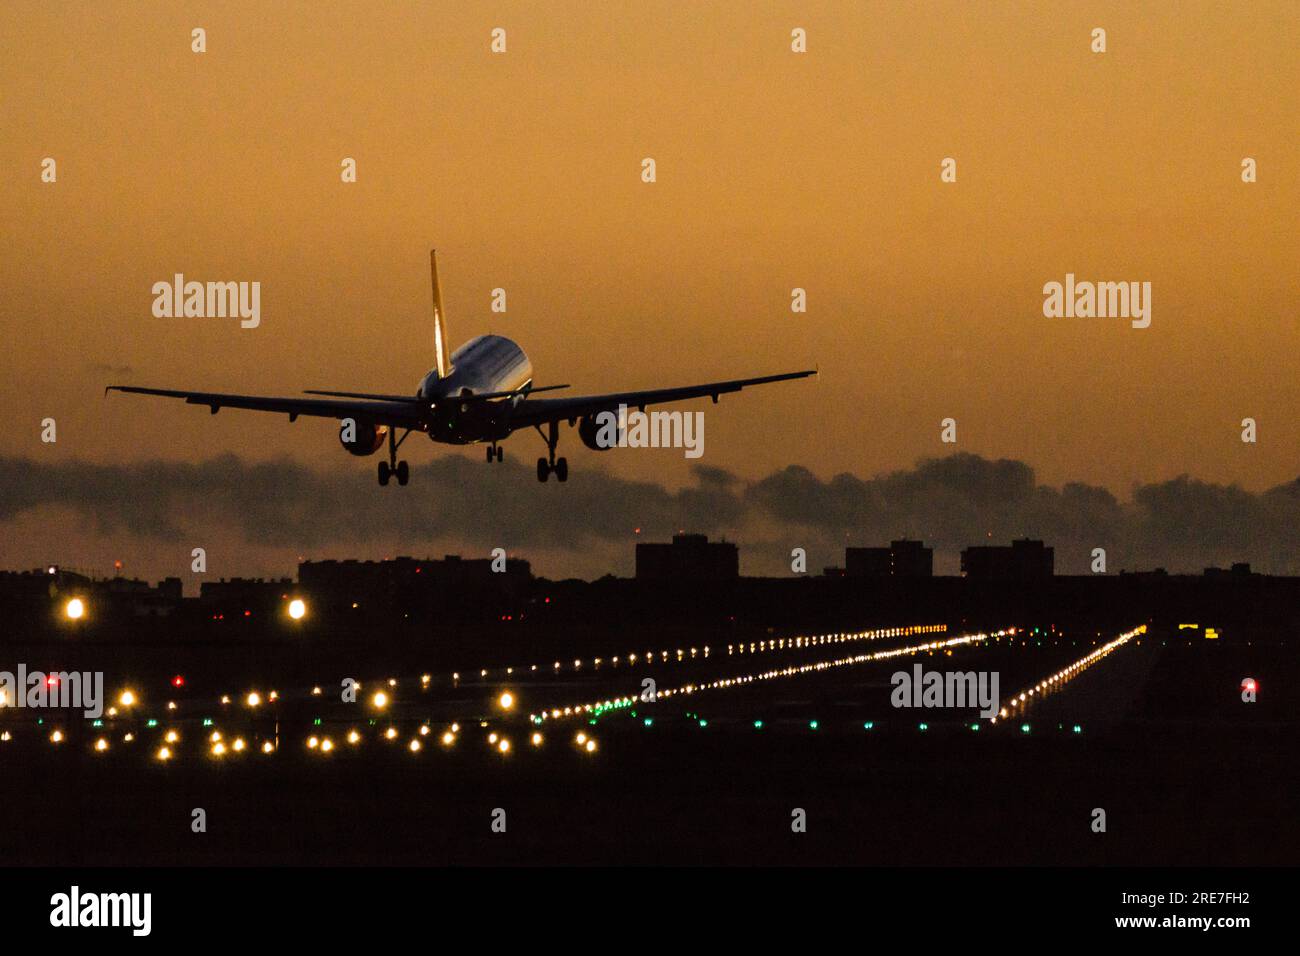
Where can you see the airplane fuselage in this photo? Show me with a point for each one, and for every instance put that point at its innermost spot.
(484, 364)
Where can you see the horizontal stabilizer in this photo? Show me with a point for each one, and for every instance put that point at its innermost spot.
(378, 398)
(510, 394)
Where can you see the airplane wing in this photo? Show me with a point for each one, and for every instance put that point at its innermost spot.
(403, 414)
(538, 411)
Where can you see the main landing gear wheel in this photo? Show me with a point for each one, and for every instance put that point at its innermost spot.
(394, 468)
(560, 469)
(495, 453)
(549, 464)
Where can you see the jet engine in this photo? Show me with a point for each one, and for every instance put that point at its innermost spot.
(362, 438)
(589, 429)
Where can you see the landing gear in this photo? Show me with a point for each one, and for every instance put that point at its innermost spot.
(550, 464)
(495, 453)
(394, 468)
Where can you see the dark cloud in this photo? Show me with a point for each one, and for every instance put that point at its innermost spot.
(951, 502)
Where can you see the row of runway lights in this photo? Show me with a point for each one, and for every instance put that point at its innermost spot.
(379, 700)
(253, 699)
(325, 744)
(1064, 675)
(681, 655)
(219, 746)
(595, 708)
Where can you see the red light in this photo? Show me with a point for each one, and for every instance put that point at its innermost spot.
(248, 614)
(178, 681)
(51, 681)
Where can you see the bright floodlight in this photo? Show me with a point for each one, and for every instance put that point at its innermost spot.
(127, 698)
(379, 700)
(297, 609)
(75, 609)
(506, 700)
(254, 699)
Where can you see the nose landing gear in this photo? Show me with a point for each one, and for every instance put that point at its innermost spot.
(495, 453)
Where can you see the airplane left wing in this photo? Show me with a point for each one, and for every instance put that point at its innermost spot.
(539, 411)
(402, 414)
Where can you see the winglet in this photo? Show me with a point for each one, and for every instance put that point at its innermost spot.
(443, 363)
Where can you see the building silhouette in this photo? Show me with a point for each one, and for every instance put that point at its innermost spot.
(1025, 560)
(690, 557)
(902, 559)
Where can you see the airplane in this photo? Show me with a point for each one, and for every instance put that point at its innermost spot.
(480, 393)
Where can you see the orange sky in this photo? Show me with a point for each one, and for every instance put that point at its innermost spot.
(775, 170)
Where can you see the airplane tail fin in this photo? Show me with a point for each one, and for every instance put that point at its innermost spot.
(440, 347)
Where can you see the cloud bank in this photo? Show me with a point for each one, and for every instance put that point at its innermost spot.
(951, 502)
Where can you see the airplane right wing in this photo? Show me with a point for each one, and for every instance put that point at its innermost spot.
(539, 411)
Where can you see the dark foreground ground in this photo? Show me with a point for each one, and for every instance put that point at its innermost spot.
(1186, 773)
